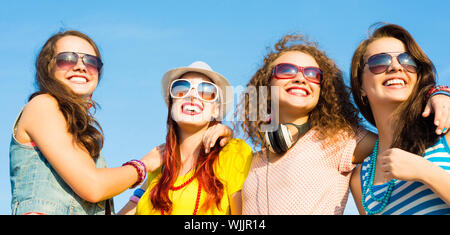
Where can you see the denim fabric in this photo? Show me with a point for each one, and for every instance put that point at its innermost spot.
(37, 187)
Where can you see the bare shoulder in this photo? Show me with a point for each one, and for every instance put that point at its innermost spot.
(41, 109)
(364, 147)
(42, 101)
(40, 104)
(355, 182)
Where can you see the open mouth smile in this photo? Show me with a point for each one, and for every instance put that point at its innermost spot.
(191, 108)
(395, 83)
(298, 91)
(78, 79)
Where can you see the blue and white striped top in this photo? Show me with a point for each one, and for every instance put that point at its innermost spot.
(410, 197)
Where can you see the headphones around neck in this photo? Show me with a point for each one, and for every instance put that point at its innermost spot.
(281, 140)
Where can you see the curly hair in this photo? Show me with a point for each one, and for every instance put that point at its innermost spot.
(334, 113)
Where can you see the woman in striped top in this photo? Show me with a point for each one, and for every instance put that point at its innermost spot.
(408, 171)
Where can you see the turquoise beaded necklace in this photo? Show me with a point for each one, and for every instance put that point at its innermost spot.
(368, 184)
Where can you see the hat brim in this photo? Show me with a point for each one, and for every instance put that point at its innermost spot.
(216, 78)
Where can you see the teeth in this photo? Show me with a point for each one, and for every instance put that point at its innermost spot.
(298, 91)
(394, 82)
(191, 108)
(78, 79)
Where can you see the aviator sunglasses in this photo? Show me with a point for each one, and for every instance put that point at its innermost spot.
(205, 91)
(379, 63)
(66, 61)
(290, 71)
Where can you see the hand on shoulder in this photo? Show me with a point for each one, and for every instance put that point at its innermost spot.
(154, 159)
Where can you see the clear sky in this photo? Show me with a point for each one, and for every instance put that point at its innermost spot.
(141, 40)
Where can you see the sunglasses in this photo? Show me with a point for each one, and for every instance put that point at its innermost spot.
(290, 71)
(379, 63)
(205, 91)
(67, 60)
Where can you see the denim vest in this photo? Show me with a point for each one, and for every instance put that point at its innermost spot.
(37, 187)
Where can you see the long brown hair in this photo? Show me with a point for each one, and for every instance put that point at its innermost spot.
(412, 132)
(81, 123)
(333, 113)
(159, 195)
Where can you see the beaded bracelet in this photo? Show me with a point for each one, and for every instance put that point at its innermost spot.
(141, 170)
(444, 90)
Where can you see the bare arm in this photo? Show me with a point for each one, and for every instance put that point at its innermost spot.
(236, 203)
(130, 207)
(355, 187)
(364, 148)
(44, 123)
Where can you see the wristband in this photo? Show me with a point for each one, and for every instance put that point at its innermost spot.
(138, 192)
(447, 93)
(435, 89)
(134, 199)
(141, 170)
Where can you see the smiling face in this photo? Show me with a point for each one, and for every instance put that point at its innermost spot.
(393, 85)
(78, 78)
(190, 110)
(296, 95)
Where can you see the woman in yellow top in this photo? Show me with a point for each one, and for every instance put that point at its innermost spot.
(184, 179)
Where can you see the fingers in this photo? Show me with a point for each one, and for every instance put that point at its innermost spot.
(441, 120)
(212, 134)
(210, 137)
(161, 148)
(427, 110)
(386, 171)
(439, 105)
(224, 141)
(388, 176)
(207, 139)
(445, 121)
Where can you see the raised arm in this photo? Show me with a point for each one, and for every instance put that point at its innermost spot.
(440, 105)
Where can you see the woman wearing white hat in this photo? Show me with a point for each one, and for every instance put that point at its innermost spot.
(185, 179)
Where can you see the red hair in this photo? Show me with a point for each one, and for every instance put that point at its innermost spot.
(159, 195)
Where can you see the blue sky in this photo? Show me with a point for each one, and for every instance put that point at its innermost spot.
(141, 40)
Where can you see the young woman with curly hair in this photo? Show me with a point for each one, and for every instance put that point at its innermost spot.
(408, 171)
(306, 169)
(312, 176)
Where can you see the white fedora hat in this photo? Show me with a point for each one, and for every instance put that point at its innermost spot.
(203, 68)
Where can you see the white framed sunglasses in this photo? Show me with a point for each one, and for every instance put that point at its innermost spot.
(204, 90)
